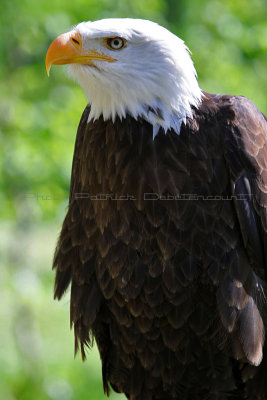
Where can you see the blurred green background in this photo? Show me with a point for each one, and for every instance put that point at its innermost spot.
(38, 122)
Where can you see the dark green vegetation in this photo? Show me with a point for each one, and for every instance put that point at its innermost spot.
(38, 122)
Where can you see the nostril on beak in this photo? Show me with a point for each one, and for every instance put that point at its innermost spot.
(76, 40)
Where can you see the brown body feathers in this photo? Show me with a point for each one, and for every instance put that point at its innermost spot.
(164, 245)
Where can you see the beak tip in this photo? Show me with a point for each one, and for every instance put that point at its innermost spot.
(47, 66)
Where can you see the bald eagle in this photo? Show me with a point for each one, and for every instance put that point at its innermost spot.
(165, 239)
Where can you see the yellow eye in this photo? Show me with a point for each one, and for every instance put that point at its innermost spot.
(116, 43)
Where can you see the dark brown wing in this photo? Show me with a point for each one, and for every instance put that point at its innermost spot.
(241, 295)
(74, 260)
(250, 179)
(62, 262)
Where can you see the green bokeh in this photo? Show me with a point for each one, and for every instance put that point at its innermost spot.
(38, 122)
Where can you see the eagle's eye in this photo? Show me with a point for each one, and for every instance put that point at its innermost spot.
(115, 43)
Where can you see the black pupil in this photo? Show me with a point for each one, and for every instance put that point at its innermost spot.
(116, 43)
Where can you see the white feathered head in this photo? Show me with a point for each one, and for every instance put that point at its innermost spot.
(130, 66)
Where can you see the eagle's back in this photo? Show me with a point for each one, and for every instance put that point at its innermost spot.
(165, 251)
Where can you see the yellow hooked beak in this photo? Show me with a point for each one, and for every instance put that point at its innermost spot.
(67, 49)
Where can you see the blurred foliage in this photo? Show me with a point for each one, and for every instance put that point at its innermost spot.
(38, 122)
